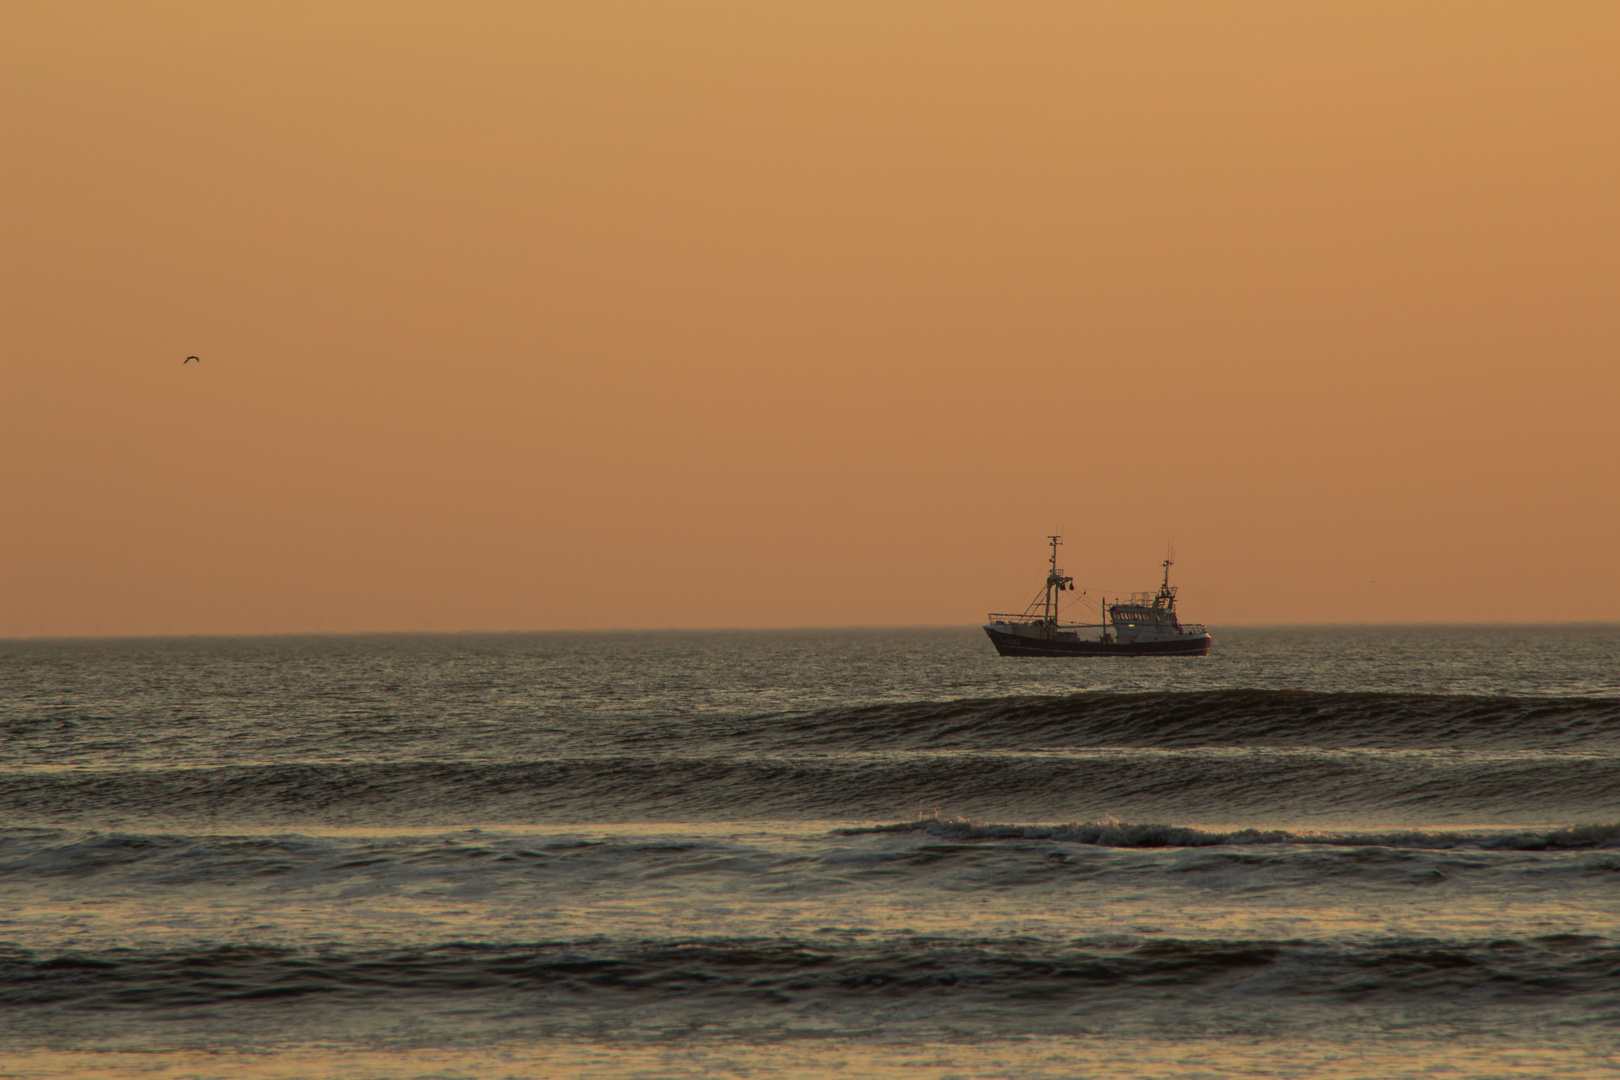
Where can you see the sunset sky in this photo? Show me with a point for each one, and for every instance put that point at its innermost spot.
(591, 315)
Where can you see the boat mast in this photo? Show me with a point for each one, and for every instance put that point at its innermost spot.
(1055, 583)
(1052, 582)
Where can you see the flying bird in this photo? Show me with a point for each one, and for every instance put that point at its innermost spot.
(189, 359)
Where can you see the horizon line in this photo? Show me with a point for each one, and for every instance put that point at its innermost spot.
(473, 632)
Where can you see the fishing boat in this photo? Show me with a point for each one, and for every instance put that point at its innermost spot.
(1145, 625)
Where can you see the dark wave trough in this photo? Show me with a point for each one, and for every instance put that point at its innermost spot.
(1009, 975)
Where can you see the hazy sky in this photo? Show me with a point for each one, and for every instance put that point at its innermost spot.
(523, 315)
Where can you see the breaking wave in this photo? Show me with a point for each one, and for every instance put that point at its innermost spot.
(1192, 784)
(914, 854)
(1230, 755)
(1121, 834)
(1250, 719)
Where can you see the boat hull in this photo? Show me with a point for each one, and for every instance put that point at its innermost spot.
(1017, 645)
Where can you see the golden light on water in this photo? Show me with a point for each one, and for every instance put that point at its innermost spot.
(1036, 1058)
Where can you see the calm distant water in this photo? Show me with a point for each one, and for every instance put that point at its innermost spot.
(1331, 852)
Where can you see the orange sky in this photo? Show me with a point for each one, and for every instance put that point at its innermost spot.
(752, 314)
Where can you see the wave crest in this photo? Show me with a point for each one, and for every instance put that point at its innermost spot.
(1205, 718)
(1122, 834)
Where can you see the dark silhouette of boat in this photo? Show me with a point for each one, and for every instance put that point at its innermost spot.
(1145, 626)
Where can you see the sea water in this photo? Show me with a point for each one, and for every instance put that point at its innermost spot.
(1325, 852)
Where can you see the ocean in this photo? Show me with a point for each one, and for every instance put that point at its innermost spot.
(1327, 852)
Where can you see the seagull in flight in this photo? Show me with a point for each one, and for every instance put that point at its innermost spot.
(189, 359)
